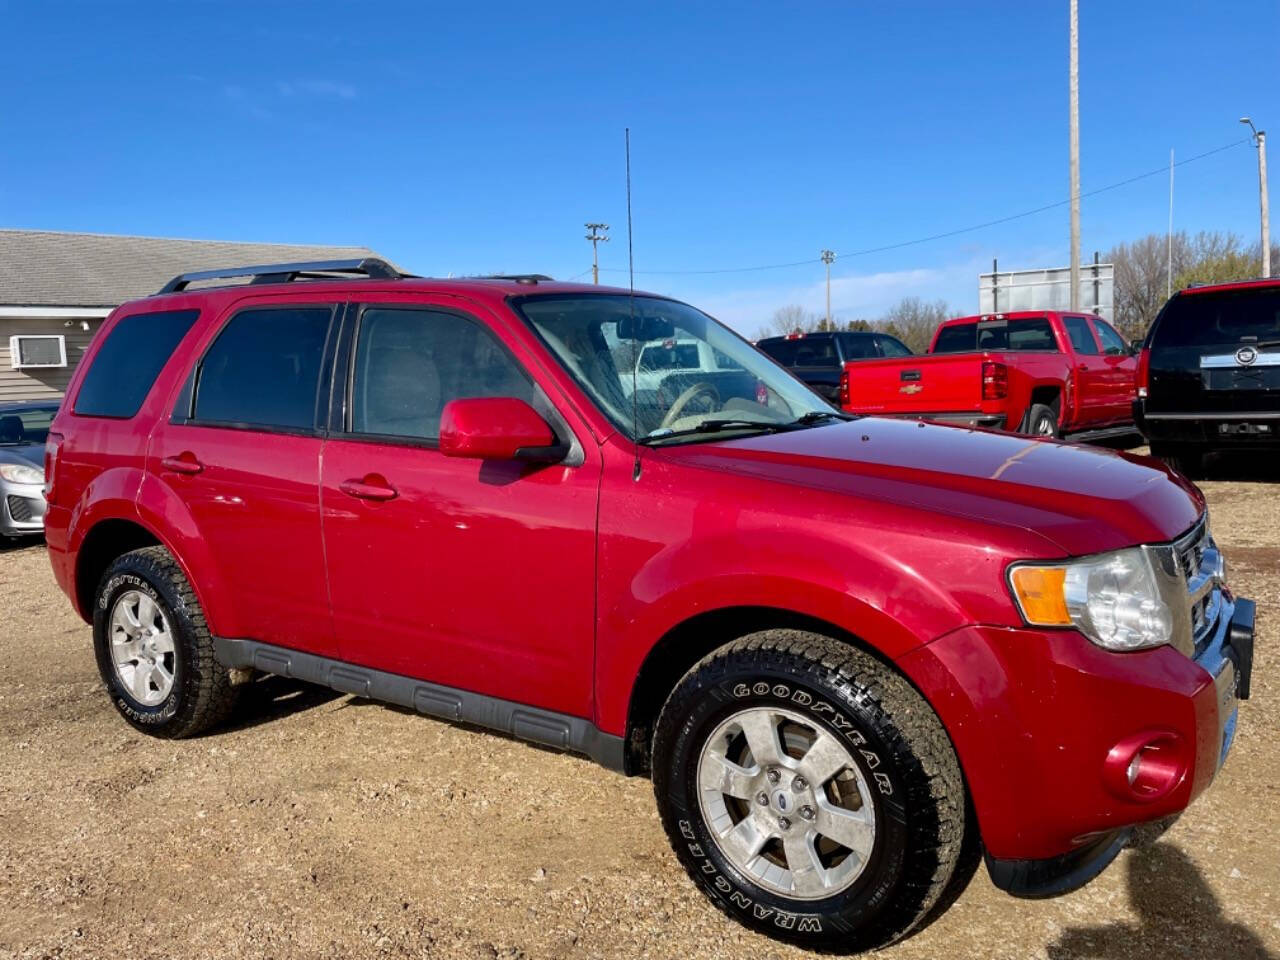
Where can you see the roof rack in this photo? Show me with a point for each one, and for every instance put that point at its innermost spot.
(371, 267)
(531, 278)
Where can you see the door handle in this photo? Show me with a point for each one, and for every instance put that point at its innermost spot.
(372, 487)
(184, 462)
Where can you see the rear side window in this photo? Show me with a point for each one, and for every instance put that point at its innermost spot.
(892, 347)
(1081, 338)
(960, 338)
(264, 369)
(126, 365)
(858, 348)
(1220, 318)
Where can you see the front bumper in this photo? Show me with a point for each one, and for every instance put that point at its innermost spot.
(1037, 717)
(22, 508)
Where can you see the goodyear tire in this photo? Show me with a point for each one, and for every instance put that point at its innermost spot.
(870, 842)
(154, 650)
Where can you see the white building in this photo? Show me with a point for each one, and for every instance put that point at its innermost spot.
(56, 288)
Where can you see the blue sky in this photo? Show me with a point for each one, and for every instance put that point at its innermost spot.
(472, 138)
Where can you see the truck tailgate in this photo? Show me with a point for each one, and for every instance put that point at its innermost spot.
(932, 383)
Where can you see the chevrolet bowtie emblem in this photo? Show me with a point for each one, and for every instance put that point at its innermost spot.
(910, 388)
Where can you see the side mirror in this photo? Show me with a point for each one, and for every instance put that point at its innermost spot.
(1135, 347)
(497, 428)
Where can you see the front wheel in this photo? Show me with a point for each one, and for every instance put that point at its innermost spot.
(811, 792)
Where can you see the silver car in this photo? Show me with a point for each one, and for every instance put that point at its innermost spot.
(23, 430)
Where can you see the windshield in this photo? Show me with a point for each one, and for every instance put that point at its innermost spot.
(684, 369)
(25, 424)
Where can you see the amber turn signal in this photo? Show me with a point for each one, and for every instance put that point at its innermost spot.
(1039, 592)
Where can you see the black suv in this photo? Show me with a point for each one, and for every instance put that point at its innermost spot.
(1209, 374)
(819, 358)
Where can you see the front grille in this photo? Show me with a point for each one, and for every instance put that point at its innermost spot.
(22, 509)
(1190, 548)
(1199, 563)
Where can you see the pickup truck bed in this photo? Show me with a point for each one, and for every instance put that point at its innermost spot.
(1043, 373)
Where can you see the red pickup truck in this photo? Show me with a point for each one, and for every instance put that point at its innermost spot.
(855, 655)
(1046, 374)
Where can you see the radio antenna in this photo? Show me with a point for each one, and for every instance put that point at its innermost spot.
(631, 303)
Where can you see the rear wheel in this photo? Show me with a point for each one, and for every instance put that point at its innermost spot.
(1187, 460)
(1041, 421)
(810, 791)
(154, 650)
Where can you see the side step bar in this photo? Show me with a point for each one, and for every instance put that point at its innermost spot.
(1105, 433)
(546, 727)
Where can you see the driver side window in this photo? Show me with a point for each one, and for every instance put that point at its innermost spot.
(410, 362)
(1113, 345)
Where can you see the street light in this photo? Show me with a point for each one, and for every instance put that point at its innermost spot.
(1259, 138)
(828, 257)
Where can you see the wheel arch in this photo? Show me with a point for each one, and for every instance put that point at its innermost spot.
(112, 529)
(692, 639)
(107, 539)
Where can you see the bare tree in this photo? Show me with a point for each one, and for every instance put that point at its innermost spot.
(1142, 271)
(789, 319)
(913, 321)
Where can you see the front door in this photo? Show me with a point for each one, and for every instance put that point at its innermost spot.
(242, 453)
(1121, 382)
(473, 574)
(1090, 372)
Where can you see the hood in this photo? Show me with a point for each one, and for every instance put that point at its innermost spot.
(1083, 499)
(26, 454)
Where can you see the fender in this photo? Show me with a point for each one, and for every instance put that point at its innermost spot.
(117, 495)
(161, 511)
(843, 584)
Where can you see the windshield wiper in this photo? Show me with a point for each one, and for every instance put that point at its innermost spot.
(715, 426)
(817, 416)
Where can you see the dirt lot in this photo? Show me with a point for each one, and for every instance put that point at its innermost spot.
(327, 826)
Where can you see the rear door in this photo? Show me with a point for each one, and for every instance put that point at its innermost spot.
(242, 452)
(1217, 351)
(1120, 384)
(473, 574)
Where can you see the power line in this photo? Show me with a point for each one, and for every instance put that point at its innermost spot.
(1163, 170)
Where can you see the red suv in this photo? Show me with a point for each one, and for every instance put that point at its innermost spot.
(854, 654)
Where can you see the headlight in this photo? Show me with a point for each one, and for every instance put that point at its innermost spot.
(16, 473)
(1112, 599)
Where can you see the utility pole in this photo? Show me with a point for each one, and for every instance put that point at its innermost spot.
(1260, 141)
(596, 237)
(1168, 284)
(828, 257)
(1074, 95)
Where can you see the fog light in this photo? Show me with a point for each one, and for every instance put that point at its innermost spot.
(1145, 766)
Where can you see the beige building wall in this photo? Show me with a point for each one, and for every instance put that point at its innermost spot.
(42, 383)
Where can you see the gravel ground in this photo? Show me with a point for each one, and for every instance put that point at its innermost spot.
(327, 826)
